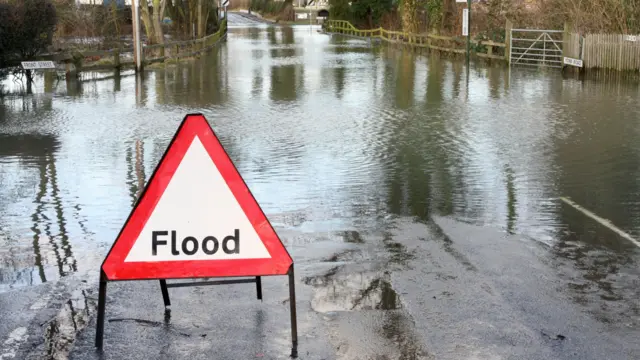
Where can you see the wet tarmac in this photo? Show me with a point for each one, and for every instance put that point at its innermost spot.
(420, 205)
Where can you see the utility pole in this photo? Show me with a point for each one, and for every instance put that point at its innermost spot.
(468, 31)
(137, 43)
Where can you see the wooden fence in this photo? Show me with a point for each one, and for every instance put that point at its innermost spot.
(614, 52)
(450, 44)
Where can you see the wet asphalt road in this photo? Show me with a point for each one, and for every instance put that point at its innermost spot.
(364, 302)
(408, 287)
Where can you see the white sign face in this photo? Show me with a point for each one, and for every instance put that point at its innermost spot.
(573, 62)
(465, 22)
(197, 218)
(302, 16)
(633, 38)
(225, 3)
(32, 65)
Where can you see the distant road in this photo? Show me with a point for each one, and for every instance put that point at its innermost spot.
(240, 18)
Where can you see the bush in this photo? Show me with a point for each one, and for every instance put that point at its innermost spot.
(29, 27)
(370, 11)
(282, 9)
(5, 22)
(26, 30)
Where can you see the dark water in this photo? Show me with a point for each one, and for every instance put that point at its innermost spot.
(331, 134)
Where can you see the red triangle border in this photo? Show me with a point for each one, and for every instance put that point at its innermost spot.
(114, 266)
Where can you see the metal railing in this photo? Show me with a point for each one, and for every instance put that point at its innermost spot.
(533, 47)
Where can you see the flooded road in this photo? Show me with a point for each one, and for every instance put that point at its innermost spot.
(420, 202)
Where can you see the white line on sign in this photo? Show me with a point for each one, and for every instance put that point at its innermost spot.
(601, 221)
(10, 347)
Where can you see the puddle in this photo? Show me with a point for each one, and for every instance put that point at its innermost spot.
(347, 255)
(60, 333)
(353, 237)
(397, 328)
(336, 291)
(398, 252)
(10, 346)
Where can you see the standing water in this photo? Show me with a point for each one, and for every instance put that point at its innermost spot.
(332, 135)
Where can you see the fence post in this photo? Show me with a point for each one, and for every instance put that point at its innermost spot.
(142, 57)
(565, 41)
(507, 40)
(116, 58)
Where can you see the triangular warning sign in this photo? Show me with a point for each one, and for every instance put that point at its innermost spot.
(196, 218)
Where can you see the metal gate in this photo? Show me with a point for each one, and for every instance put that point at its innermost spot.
(533, 47)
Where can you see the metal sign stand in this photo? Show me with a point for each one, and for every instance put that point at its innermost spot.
(164, 287)
(242, 270)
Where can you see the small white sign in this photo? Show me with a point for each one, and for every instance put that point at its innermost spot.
(32, 65)
(633, 38)
(573, 62)
(303, 16)
(465, 22)
(461, 1)
(225, 3)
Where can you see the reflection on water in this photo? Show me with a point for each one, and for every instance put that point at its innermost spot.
(60, 332)
(335, 291)
(338, 133)
(50, 255)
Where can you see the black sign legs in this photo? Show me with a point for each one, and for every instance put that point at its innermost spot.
(259, 287)
(294, 319)
(102, 299)
(165, 293)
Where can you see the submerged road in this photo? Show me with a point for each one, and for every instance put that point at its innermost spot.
(421, 206)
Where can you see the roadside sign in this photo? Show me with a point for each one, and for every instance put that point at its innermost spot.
(465, 22)
(225, 3)
(196, 218)
(34, 65)
(633, 38)
(573, 62)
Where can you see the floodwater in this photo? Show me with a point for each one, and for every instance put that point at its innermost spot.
(333, 135)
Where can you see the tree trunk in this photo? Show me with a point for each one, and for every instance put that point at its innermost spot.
(153, 22)
(158, 7)
(200, 25)
(409, 18)
(192, 17)
(146, 20)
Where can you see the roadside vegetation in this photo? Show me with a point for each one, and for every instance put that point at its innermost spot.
(489, 16)
(26, 30)
(30, 28)
(276, 10)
